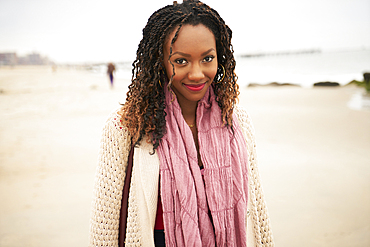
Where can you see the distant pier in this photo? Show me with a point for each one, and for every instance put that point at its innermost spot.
(280, 53)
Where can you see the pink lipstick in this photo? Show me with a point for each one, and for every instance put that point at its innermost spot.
(195, 87)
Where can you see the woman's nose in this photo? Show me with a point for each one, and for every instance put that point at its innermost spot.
(196, 73)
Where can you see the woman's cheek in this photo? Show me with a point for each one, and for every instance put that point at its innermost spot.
(212, 72)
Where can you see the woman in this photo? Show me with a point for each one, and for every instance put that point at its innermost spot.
(194, 179)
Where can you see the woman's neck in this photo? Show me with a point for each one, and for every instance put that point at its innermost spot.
(188, 111)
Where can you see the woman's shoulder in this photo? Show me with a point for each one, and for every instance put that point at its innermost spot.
(115, 125)
(115, 118)
(243, 117)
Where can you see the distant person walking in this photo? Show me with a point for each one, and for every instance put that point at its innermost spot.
(111, 69)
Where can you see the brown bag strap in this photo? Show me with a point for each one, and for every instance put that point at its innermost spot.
(124, 202)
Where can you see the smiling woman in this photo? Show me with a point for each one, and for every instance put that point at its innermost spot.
(192, 65)
(178, 163)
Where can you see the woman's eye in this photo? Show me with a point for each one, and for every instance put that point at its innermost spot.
(208, 59)
(180, 61)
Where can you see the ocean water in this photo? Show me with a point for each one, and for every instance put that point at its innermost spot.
(304, 69)
(301, 69)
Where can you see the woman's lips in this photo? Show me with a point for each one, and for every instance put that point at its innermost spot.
(197, 87)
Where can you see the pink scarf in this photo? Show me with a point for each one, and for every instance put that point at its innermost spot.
(197, 211)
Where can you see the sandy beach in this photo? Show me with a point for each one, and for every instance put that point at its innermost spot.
(313, 152)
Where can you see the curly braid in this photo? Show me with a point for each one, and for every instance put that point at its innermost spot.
(144, 110)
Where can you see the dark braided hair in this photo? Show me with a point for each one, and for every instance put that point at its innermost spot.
(144, 110)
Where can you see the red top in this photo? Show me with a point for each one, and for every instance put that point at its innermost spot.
(159, 218)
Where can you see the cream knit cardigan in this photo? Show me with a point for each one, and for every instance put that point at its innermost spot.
(143, 195)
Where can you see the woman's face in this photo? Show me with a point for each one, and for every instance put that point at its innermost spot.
(194, 57)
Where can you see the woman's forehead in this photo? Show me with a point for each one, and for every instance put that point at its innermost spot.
(190, 35)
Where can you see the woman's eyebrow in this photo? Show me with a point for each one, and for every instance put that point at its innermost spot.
(205, 53)
(188, 55)
(181, 54)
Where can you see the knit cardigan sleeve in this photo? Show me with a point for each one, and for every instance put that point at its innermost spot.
(109, 181)
(258, 218)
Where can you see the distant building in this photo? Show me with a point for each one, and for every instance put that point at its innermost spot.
(8, 58)
(30, 59)
(23, 61)
(35, 59)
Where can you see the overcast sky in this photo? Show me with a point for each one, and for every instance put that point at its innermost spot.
(110, 30)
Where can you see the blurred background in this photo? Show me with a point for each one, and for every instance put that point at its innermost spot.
(96, 31)
(331, 37)
(313, 141)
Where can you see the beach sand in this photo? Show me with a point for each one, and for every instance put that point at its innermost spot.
(313, 152)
